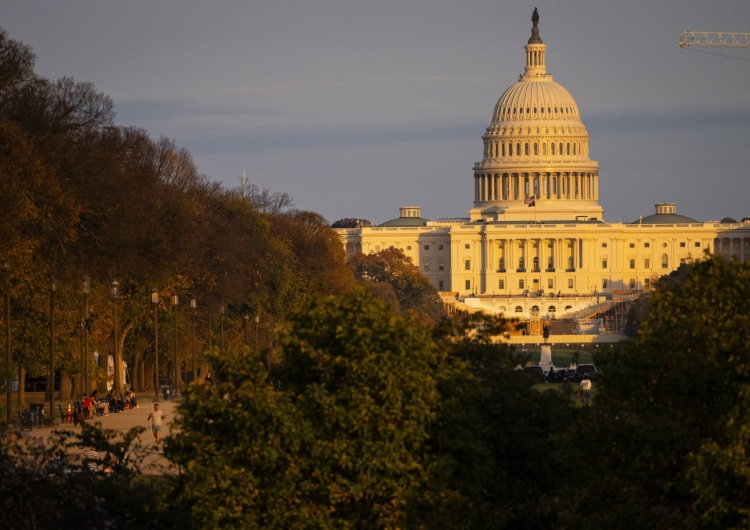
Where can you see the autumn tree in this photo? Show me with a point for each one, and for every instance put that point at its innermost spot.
(400, 282)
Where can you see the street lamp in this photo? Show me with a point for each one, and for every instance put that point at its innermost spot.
(177, 394)
(193, 306)
(51, 383)
(155, 301)
(257, 335)
(86, 291)
(245, 319)
(221, 310)
(114, 291)
(8, 358)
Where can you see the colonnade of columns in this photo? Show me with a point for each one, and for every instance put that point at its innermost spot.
(550, 186)
(733, 247)
(534, 255)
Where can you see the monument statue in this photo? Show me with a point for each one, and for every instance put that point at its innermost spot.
(535, 17)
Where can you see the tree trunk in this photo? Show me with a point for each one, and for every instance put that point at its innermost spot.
(21, 404)
(66, 387)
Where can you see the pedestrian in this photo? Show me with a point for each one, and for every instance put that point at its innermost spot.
(586, 390)
(156, 418)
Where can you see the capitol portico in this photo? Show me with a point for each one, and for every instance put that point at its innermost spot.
(535, 244)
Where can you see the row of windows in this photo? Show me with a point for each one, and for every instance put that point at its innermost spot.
(554, 148)
(647, 244)
(551, 284)
(506, 113)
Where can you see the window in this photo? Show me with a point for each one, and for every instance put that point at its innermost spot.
(698, 244)
(682, 244)
(408, 248)
(427, 247)
(568, 307)
(536, 263)
(664, 261)
(632, 263)
(519, 309)
(501, 264)
(604, 245)
(604, 283)
(441, 286)
(551, 309)
(550, 263)
(646, 263)
(604, 263)
(632, 245)
(550, 283)
(441, 266)
(682, 261)
(647, 283)
(520, 263)
(468, 285)
(501, 284)
(467, 245)
(570, 283)
(467, 264)
(632, 283)
(440, 247)
(526, 149)
(427, 266)
(521, 284)
(535, 311)
(647, 245)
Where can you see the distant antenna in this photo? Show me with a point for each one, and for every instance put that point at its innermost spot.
(243, 180)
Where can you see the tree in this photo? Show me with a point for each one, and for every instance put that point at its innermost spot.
(338, 440)
(662, 446)
(412, 289)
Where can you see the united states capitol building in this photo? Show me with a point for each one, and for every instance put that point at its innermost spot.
(535, 245)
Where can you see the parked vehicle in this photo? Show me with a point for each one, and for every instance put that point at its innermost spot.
(536, 373)
(581, 370)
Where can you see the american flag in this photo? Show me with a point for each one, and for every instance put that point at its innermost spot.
(530, 200)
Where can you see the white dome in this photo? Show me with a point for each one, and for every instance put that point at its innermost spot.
(537, 100)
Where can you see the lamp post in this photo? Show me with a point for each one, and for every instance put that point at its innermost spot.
(8, 358)
(245, 318)
(155, 301)
(193, 306)
(51, 383)
(114, 291)
(268, 345)
(257, 335)
(86, 290)
(177, 394)
(221, 310)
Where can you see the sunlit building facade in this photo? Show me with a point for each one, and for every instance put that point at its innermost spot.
(535, 243)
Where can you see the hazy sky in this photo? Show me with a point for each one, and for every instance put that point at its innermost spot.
(357, 107)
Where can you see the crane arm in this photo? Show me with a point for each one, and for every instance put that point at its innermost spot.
(713, 38)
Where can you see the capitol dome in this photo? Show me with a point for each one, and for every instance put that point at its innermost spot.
(536, 164)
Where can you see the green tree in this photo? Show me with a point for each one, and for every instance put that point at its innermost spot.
(661, 447)
(337, 441)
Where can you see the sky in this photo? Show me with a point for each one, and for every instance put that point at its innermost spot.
(357, 107)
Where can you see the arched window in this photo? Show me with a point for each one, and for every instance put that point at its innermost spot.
(551, 309)
(553, 148)
(535, 311)
(526, 149)
(536, 263)
(518, 149)
(502, 309)
(568, 308)
(536, 149)
(519, 309)
(664, 261)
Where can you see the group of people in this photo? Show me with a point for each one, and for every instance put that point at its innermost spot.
(113, 402)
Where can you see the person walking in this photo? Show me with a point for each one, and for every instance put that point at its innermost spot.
(586, 391)
(156, 418)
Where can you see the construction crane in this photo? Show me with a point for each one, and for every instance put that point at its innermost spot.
(713, 38)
